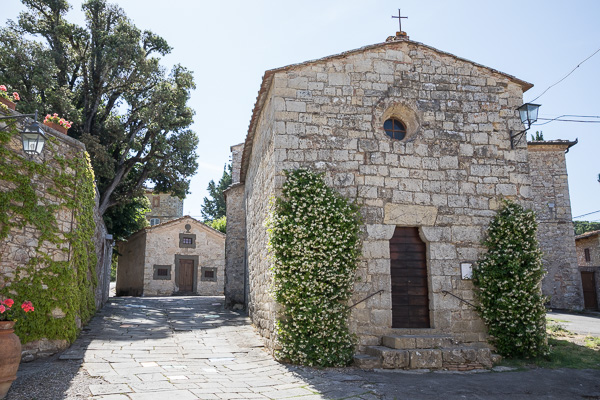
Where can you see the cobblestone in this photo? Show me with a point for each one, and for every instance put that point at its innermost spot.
(132, 350)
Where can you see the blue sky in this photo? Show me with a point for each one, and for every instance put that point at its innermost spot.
(230, 44)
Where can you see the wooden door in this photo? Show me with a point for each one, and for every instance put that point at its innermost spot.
(590, 300)
(410, 295)
(186, 276)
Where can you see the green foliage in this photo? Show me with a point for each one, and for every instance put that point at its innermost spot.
(508, 278)
(123, 220)
(563, 354)
(106, 77)
(314, 245)
(539, 136)
(48, 281)
(582, 227)
(216, 207)
(219, 224)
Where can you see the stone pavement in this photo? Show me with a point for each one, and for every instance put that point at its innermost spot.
(191, 348)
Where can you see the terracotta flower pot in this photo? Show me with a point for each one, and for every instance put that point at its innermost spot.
(10, 356)
(8, 103)
(57, 127)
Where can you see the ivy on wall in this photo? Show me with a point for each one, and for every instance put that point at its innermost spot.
(508, 278)
(314, 245)
(60, 276)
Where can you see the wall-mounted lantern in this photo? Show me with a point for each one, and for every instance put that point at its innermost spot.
(32, 136)
(529, 114)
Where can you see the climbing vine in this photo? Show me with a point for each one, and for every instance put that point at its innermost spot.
(60, 277)
(508, 278)
(314, 244)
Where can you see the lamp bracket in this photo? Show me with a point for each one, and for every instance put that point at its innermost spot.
(518, 136)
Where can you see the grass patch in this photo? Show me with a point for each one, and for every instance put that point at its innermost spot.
(592, 342)
(553, 319)
(563, 354)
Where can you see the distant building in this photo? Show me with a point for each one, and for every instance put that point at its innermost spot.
(588, 257)
(164, 207)
(181, 256)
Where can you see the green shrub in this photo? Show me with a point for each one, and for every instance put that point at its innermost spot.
(219, 224)
(314, 244)
(508, 278)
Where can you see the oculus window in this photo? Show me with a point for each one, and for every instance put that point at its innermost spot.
(395, 129)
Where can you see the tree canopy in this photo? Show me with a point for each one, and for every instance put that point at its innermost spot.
(216, 207)
(582, 227)
(106, 77)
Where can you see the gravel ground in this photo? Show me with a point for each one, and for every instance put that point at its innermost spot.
(52, 379)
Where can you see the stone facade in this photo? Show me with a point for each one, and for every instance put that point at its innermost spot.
(552, 205)
(164, 207)
(446, 177)
(591, 242)
(235, 243)
(21, 243)
(163, 247)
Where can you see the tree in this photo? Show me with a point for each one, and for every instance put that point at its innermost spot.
(582, 227)
(508, 278)
(106, 77)
(219, 224)
(217, 207)
(123, 220)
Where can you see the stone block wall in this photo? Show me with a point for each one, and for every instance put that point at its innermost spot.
(164, 206)
(446, 177)
(552, 205)
(162, 247)
(130, 270)
(591, 242)
(19, 247)
(235, 243)
(259, 188)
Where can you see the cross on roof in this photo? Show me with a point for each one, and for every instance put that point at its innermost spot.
(399, 19)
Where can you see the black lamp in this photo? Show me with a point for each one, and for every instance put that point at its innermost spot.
(32, 137)
(529, 114)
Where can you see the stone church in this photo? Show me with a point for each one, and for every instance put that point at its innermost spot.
(420, 139)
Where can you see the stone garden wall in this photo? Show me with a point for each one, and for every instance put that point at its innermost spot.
(30, 249)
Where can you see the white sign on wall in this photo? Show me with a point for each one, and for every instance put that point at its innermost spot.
(466, 270)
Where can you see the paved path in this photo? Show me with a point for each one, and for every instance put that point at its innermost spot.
(191, 348)
(583, 324)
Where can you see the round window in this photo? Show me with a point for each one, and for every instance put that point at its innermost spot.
(394, 129)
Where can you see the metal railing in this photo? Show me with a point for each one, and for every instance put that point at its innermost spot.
(366, 298)
(445, 292)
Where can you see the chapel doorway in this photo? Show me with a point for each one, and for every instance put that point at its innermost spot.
(410, 293)
(185, 279)
(590, 301)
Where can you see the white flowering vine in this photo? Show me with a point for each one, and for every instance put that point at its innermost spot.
(508, 278)
(314, 245)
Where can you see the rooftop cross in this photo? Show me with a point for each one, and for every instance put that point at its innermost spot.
(399, 19)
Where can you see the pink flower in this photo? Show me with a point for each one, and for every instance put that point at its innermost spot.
(2, 308)
(8, 302)
(27, 306)
(16, 96)
(55, 115)
(3, 88)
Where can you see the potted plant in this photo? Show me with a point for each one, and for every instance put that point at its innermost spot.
(10, 345)
(8, 99)
(57, 123)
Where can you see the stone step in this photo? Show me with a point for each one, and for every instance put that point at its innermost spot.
(365, 361)
(417, 341)
(455, 358)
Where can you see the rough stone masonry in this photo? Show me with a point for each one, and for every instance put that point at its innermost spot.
(446, 177)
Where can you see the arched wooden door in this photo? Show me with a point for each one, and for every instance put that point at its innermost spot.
(410, 294)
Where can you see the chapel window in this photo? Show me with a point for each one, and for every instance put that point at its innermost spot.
(208, 274)
(154, 221)
(394, 128)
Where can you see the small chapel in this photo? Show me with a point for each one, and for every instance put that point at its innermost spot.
(423, 141)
